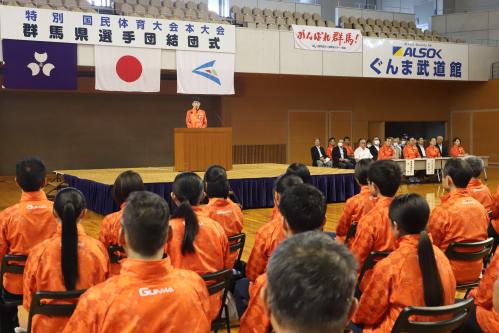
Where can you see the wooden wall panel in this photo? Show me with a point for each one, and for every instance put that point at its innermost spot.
(486, 134)
(461, 127)
(304, 127)
(340, 124)
(251, 154)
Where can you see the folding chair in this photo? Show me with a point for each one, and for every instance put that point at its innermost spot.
(458, 311)
(12, 264)
(220, 281)
(453, 253)
(370, 262)
(113, 252)
(236, 244)
(50, 309)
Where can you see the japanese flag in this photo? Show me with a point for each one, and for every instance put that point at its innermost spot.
(127, 69)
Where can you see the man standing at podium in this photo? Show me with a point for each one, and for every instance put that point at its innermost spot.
(195, 117)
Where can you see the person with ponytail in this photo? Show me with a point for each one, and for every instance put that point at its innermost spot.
(198, 243)
(125, 184)
(220, 208)
(417, 273)
(70, 260)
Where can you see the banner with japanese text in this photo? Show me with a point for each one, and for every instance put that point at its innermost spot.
(47, 25)
(327, 39)
(414, 59)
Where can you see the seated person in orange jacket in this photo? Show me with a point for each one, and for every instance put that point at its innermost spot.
(410, 150)
(416, 263)
(22, 227)
(270, 235)
(386, 152)
(220, 208)
(198, 243)
(459, 219)
(70, 260)
(358, 205)
(149, 294)
(304, 208)
(457, 150)
(476, 189)
(432, 150)
(330, 147)
(309, 262)
(195, 117)
(347, 144)
(374, 232)
(110, 230)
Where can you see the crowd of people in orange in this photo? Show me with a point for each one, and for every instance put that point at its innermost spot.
(298, 278)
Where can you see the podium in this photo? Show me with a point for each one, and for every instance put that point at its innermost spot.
(198, 148)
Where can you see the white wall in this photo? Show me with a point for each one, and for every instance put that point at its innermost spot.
(375, 14)
(480, 62)
(273, 4)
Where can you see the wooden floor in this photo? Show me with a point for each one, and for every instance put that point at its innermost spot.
(254, 218)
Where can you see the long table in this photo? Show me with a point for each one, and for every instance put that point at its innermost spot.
(420, 164)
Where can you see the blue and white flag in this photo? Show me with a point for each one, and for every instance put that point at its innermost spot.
(39, 65)
(205, 73)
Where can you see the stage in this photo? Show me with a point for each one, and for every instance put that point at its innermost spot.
(252, 183)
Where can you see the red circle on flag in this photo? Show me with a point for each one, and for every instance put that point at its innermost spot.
(129, 68)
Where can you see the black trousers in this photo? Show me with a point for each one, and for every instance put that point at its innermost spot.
(8, 313)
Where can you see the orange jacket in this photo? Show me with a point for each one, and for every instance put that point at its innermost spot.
(212, 250)
(495, 207)
(432, 152)
(387, 293)
(147, 296)
(386, 153)
(411, 152)
(230, 217)
(349, 149)
(255, 319)
(355, 208)
(267, 238)
(481, 193)
(487, 317)
(460, 218)
(196, 119)
(374, 232)
(23, 226)
(456, 151)
(109, 234)
(43, 273)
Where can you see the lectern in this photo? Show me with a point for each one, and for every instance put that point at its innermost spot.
(198, 148)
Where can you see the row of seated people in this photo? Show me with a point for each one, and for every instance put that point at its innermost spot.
(341, 154)
(70, 260)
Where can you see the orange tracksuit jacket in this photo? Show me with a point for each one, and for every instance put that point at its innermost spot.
(459, 218)
(432, 152)
(211, 255)
(481, 193)
(109, 234)
(487, 317)
(22, 227)
(147, 296)
(355, 208)
(456, 151)
(388, 293)
(43, 273)
(411, 152)
(386, 153)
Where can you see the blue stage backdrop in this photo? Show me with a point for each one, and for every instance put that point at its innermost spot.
(252, 192)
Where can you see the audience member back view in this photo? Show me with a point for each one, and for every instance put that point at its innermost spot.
(476, 189)
(24, 225)
(459, 218)
(149, 294)
(198, 243)
(70, 260)
(417, 273)
(126, 183)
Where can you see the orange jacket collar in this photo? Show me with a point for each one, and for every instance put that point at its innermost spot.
(145, 269)
(33, 196)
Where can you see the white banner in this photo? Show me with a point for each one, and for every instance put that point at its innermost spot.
(205, 73)
(327, 39)
(409, 167)
(409, 59)
(114, 30)
(430, 166)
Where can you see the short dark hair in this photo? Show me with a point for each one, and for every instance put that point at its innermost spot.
(476, 165)
(304, 208)
(145, 222)
(456, 138)
(31, 173)
(386, 175)
(346, 137)
(216, 183)
(127, 182)
(300, 170)
(285, 182)
(362, 169)
(331, 138)
(322, 275)
(459, 171)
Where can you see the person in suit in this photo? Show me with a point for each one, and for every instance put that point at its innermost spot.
(319, 158)
(340, 157)
(421, 148)
(444, 151)
(375, 148)
(397, 148)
